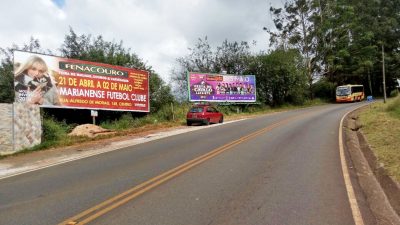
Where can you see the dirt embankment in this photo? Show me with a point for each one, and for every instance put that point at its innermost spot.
(89, 130)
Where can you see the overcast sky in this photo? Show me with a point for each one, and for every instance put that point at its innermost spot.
(159, 31)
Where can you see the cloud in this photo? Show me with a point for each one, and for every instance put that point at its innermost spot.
(159, 31)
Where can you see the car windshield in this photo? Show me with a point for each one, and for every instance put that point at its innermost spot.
(196, 110)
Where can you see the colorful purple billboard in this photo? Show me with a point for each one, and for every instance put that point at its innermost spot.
(221, 88)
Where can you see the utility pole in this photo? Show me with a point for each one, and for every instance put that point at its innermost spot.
(383, 74)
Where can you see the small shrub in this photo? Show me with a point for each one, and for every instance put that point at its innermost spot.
(394, 107)
(126, 121)
(53, 130)
(315, 101)
(324, 89)
(164, 114)
(394, 93)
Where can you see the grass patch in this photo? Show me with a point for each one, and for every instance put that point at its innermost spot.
(394, 107)
(381, 125)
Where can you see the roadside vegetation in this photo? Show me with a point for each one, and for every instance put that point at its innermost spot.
(381, 125)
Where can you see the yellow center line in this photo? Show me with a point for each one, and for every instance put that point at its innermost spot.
(118, 200)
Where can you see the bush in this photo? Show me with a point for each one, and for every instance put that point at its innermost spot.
(257, 108)
(165, 113)
(394, 93)
(126, 121)
(325, 90)
(296, 98)
(394, 107)
(54, 130)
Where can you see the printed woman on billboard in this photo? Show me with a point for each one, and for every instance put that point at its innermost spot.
(33, 84)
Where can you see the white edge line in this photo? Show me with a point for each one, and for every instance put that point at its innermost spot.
(355, 209)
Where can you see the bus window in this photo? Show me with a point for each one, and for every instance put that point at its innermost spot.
(342, 91)
(357, 89)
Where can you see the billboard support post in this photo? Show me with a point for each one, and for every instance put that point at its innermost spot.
(173, 113)
(94, 114)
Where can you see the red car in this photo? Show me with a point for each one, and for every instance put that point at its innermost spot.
(204, 114)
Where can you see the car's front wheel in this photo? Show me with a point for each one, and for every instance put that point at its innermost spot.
(188, 123)
(221, 120)
(207, 122)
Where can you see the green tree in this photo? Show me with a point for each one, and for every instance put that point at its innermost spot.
(388, 35)
(325, 89)
(342, 40)
(6, 82)
(7, 67)
(199, 59)
(231, 57)
(281, 77)
(358, 30)
(295, 28)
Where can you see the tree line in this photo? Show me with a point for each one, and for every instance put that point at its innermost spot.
(316, 45)
(342, 41)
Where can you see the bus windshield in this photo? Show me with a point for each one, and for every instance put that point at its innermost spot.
(343, 91)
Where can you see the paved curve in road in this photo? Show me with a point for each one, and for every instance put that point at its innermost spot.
(282, 168)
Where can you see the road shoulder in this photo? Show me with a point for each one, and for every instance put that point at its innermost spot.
(22, 163)
(382, 194)
(31, 161)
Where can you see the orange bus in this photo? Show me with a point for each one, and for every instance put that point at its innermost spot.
(350, 93)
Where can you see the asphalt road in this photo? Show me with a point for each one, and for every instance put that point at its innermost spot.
(281, 169)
